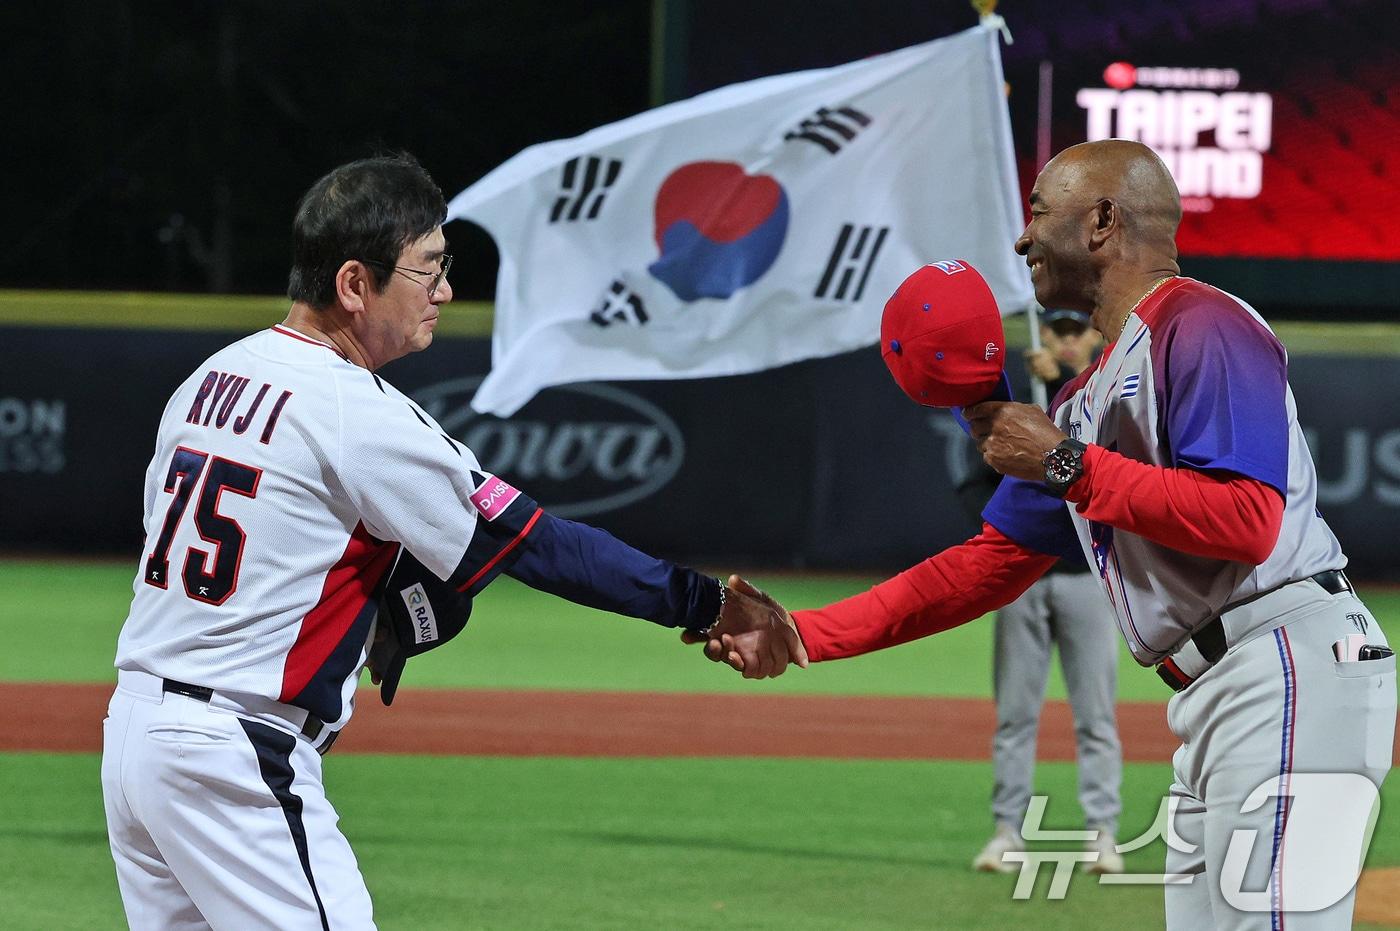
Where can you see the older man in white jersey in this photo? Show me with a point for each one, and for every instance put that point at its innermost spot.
(1191, 491)
(287, 480)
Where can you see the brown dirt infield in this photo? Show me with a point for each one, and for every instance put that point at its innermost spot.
(525, 723)
(487, 722)
(631, 724)
(1378, 896)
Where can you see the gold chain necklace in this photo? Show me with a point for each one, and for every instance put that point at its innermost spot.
(1146, 294)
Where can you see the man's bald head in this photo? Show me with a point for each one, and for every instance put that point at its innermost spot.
(1102, 228)
(1128, 173)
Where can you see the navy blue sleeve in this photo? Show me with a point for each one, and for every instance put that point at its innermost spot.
(503, 525)
(1027, 513)
(582, 564)
(591, 567)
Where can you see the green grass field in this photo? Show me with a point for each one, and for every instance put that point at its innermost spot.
(479, 842)
(519, 638)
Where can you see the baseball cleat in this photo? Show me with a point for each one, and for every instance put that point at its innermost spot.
(991, 859)
(1109, 859)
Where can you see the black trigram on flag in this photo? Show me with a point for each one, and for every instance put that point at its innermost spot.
(583, 191)
(830, 128)
(851, 260)
(619, 305)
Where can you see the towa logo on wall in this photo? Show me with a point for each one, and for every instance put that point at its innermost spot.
(578, 449)
(31, 435)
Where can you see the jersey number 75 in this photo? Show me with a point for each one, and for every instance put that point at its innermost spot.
(187, 467)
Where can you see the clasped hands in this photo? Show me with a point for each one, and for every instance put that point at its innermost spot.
(754, 634)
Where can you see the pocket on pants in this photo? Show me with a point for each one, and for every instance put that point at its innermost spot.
(1376, 679)
(189, 735)
(1356, 669)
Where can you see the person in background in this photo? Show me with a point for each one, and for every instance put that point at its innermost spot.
(1064, 608)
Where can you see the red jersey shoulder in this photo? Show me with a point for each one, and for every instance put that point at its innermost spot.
(1205, 314)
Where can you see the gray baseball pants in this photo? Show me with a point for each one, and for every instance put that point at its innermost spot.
(1068, 610)
(1283, 751)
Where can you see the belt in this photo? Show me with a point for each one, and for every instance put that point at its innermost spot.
(1209, 638)
(310, 730)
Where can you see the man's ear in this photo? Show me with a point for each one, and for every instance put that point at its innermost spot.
(1104, 222)
(353, 285)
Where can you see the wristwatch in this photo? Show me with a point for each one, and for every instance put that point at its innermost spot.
(1063, 466)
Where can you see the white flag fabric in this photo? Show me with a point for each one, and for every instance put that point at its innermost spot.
(751, 226)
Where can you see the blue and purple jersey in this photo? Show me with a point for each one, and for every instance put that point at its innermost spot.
(1197, 380)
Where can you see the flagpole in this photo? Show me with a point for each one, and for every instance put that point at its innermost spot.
(1042, 155)
(991, 20)
(1038, 392)
(670, 27)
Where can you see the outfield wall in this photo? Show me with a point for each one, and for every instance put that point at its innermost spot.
(821, 464)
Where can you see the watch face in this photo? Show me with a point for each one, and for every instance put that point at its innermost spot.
(1062, 466)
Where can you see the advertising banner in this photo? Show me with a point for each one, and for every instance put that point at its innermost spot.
(823, 464)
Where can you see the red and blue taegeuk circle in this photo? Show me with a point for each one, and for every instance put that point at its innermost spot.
(718, 229)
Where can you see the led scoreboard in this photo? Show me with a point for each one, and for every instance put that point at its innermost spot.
(1212, 140)
(1271, 161)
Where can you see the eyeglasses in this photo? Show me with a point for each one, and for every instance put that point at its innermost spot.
(437, 276)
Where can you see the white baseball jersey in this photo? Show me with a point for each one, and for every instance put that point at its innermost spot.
(283, 478)
(1196, 380)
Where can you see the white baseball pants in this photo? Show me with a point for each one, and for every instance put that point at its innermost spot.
(220, 821)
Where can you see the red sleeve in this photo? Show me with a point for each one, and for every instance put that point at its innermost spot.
(1220, 516)
(958, 585)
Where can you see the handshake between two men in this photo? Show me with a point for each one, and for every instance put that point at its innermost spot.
(754, 634)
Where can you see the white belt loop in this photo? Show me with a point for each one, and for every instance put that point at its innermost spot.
(141, 683)
(1252, 619)
(1189, 660)
(266, 710)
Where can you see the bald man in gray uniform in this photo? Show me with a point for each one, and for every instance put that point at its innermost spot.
(1176, 467)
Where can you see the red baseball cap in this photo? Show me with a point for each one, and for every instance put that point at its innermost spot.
(941, 336)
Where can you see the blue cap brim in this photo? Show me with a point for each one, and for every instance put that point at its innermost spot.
(1002, 392)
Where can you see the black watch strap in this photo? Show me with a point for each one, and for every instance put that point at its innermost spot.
(1064, 465)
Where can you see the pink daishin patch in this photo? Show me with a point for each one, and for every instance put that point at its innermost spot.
(493, 497)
